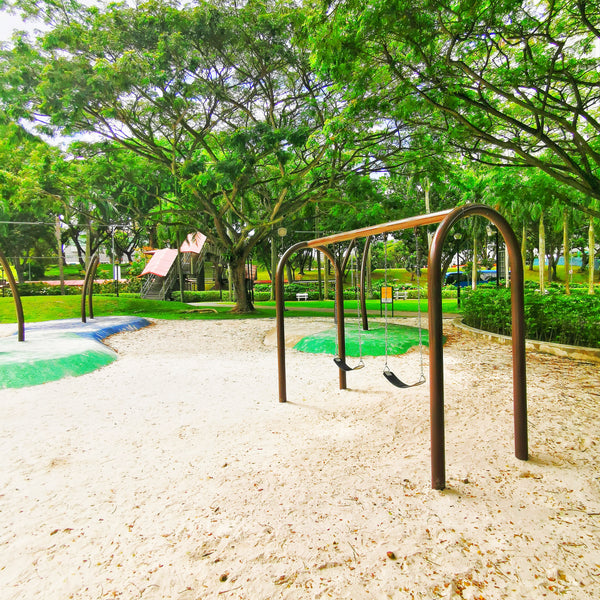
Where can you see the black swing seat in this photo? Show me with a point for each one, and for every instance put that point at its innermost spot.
(397, 382)
(344, 366)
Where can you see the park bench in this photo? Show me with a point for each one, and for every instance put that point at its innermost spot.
(302, 296)
(400, 295)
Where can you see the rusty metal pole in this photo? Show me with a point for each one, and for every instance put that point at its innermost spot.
(16, 297)
(436, 360)
(436, 367)
(280, 317)
(363, 279)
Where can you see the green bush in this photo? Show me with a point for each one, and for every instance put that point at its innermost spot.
(551, 317)
(42, 289)
(131, 285)
(202, 296)
(215, 296)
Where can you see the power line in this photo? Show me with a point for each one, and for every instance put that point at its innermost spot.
(62, 222)
(24, 223)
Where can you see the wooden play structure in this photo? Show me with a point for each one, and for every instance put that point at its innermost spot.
(446, 219)
(197, 260)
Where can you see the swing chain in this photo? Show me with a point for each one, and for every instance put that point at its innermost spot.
(385, 308)
(419, 323)
(358, 315)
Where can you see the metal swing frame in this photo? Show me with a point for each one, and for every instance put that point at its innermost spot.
(446, 220)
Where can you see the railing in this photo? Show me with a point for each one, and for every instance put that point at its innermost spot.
(147, 285)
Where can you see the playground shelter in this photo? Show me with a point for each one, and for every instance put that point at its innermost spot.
(446, 219)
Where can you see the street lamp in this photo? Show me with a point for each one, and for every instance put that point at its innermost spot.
(457, 237)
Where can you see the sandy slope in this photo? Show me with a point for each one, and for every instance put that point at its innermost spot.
(174, 473)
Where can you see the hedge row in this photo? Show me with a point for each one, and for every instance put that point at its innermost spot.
(214, 296)
(262, 292)
(552, 317)
(132, 285)
(350, 293)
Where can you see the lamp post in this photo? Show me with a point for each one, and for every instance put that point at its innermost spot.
(457, 237)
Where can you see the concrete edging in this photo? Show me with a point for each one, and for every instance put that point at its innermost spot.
(563, 350)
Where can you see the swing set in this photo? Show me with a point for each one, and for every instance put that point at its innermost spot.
(446, 219)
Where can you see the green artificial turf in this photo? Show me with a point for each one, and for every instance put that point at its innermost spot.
(41, 359)
(400, 339)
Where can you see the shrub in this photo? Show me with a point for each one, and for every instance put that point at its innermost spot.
(201, 296)
(42, 289)
(551, 317)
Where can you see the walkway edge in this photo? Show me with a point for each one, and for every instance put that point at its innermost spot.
(563, 350)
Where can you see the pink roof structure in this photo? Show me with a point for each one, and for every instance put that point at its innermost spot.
(161, 262)
(193, 243)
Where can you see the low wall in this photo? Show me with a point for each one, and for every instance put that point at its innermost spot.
(572, 352)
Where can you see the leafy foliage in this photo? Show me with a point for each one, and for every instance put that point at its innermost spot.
(508, 83)
(220, 96)
(551, 317)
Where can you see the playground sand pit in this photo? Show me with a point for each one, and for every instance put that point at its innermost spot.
(174, 473)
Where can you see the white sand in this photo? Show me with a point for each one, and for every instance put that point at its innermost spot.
(174, 473)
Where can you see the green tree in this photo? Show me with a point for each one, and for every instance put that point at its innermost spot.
(218, 95)
(509, 83)
(28, 198)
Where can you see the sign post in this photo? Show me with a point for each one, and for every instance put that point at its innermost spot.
(386, 297)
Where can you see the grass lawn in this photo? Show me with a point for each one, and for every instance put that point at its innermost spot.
(46, 308)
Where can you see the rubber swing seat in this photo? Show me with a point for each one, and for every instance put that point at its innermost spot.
(393, 379)
(344, 366)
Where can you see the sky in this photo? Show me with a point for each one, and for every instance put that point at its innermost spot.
(8, 23)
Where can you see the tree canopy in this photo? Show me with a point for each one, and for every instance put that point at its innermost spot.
(507, 82)
(217, 95)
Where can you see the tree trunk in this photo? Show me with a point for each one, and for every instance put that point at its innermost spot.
(474, 268)
(88, 245)
(524, 244)
(506, 266)
(551, 267)
(179, 271)
(542, 254)
(566, 252)
(237, 267)
(19, 270)
(319, 275)
(592, 254)
(61, 268)
(273, 265)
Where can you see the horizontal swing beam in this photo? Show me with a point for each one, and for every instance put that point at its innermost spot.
(354, 234)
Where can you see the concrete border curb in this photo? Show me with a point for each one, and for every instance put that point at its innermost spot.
(563, 350)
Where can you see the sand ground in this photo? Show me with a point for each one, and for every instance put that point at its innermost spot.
(174, 473)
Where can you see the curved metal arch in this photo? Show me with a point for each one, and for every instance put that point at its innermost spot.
(436, 366)
(16, 297)
(280, 308)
